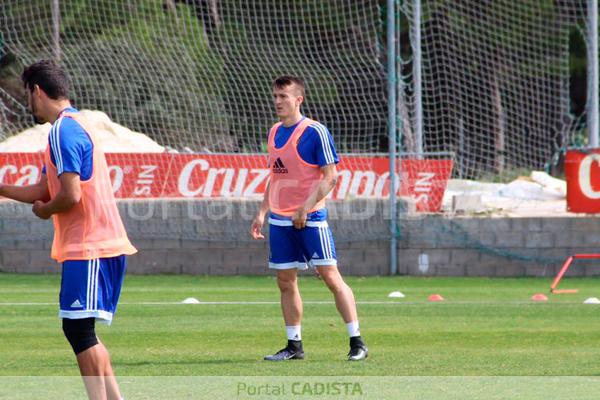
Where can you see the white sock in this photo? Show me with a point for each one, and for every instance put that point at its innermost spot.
(293, 332)
(353, 329)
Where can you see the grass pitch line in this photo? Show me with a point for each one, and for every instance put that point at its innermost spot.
(251, 303)
(205, 303)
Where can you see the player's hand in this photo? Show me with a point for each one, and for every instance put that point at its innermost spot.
(39, 210)
(299, 218)
(256, 228)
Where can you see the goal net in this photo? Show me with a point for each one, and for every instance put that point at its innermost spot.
(493, 81)
(487, 81)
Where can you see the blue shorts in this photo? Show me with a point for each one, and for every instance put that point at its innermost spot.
(298, 248)
(91, 288)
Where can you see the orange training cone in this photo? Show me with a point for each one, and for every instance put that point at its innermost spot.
(435, 297)
(539, 297)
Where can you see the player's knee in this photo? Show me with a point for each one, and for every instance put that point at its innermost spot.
(80, 333)
(336, 286)
(287, 284)
(334, 282)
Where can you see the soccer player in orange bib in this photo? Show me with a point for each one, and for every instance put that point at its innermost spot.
(89, 237)
(302, 160)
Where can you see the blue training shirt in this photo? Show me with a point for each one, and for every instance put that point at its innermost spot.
(315, 146)
(71, 148)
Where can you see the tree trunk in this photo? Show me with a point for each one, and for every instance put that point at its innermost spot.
(499, 143)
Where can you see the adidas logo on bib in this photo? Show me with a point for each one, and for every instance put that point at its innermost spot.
(315, 255)
(278, 167)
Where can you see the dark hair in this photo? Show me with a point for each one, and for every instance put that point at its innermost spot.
(49, 76)
(287, 80)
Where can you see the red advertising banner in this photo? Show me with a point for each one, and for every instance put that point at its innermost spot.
(164, 175)
(582, 170)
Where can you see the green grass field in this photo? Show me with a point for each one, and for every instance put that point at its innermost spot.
(486, 341)
(486, 327)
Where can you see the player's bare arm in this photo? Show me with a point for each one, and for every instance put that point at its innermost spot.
(326, 185)
(68, 195)
(27, 194)
(259, 220)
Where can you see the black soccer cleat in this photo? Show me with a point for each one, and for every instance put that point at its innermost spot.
(358, 353)
(286, 354)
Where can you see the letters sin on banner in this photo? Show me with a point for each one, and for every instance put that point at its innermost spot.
(582, 170)
(164, 175)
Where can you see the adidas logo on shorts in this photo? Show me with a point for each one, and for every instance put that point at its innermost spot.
(278, 167)
(76, 304)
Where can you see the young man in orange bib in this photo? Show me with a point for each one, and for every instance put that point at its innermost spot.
(302, 160)
(89, 237)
